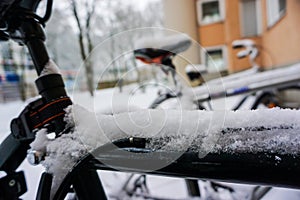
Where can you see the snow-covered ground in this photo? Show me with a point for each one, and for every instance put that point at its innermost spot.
(109, 100)
(7, 112)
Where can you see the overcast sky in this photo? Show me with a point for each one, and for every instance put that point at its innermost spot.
(140, 4)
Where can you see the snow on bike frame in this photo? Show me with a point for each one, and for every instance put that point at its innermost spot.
(163, 39)
(154, 124)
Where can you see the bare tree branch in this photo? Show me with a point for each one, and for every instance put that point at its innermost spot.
(87, 34)
(80, 35)
(90, 13)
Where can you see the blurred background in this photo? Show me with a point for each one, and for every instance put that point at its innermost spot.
(77, 27)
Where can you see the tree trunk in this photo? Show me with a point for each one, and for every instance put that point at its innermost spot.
(22, 76)
(84, 56)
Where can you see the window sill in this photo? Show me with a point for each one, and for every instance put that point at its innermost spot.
(211, 23)
(220, 71)
(251, 36)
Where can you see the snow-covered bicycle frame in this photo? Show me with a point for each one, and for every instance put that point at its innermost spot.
(24, 26)
(164, 53)
(157, 52)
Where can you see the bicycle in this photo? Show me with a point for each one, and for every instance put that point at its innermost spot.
(163, 56)
(277, 165)
(160, 55)
(231, 85)
(155, 55)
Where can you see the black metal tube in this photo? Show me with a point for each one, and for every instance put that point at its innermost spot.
(12, 153)
(241, 103)
(50, 86)
(193, 187)
(160, 99)
(38, 53)
(87, 185)
(48, 11)
(250, 168)
(44, 189)
(30, 4)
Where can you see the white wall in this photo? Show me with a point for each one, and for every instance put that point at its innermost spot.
(180, 15)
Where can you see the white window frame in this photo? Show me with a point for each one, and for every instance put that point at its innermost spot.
(258, 18)
(205, 51)
(274, 16)
(199, 11)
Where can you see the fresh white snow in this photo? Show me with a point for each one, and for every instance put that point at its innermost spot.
(50, 68)
(95, 130)
(8, 111)
(175, 43)
(206, 131)
(254, 81)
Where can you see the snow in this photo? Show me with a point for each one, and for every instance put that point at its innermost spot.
(175, 43)
(277, 158)
(50, 68)
(220, 87)
(160, 186)
(261, 126)
(173, 130)
(111, 100)
(8, 111)
(236, 76)
(157, 124)
(195, 68)
(280, 193)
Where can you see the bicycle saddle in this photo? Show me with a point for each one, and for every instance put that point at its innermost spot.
(153, 50)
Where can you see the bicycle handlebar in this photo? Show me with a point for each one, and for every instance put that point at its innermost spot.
(26, 28)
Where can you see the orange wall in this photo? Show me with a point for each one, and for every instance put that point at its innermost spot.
(224, 33)
(232, 20)
(282, 41)
(233, 32)
(212, 34)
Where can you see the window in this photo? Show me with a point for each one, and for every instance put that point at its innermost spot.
(282, 5)
(210, 11)
(250, 17)
(214, 59)
(276, 10)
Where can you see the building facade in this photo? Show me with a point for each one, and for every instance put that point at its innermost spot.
(272, 24)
